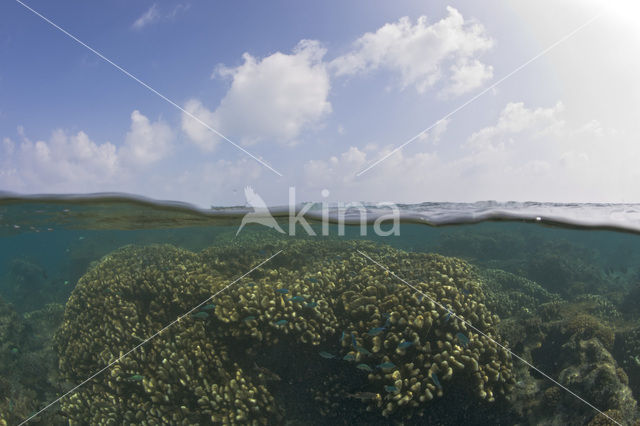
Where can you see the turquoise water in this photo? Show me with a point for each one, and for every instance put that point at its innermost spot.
(495, 322)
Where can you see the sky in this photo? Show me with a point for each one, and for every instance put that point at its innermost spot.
(492, 100)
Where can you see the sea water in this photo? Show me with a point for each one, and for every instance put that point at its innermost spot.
(120, 311)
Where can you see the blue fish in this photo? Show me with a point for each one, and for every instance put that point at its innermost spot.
(251, 284)
(362, 350)
(200, 315)
(282, 291)
(250, 318)
(386, 365)
(404, 345)
(420, 297)
(391, 389)
(296, 299)
(349, 357)
(281, 322)
(209, 307)
(434, 377)
(375, 331)
(311, 304)
(364, 367)
(313, 279)
(464, 340)
(353, 341)
(448, 316)
(327, 355)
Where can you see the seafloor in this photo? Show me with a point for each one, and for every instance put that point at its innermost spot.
(483, 327)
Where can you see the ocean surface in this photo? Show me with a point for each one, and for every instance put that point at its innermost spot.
(117, 309)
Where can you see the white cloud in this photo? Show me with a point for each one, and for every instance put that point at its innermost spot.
(64, 163)
(420, 52)
(150, 16)
(146, 142)
(204, 138)
(514, 119)
(274, 98)
(466, 76)
(179, 8)
(75, 163)
(435, 133)
(527, 154)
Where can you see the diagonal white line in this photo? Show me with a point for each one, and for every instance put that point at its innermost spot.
(517, 69)
(468, 324)
(145, 85)
(157, 333)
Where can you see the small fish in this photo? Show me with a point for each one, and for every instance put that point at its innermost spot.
(209, 307)
(135, 378)
(385, 365)
(313, 279)
(405, 345)
(296, 299)
(15, 350)
(282, 291)
(364, 367)
(364, 396)
(353, 341)
(448, 316)
(342, 336)
(281, 322)
(250, 318)
(251, 284)
(464, 340)
(362, 350)
(420, 297)
(327, 355)
(375, 331)
(391, 389)
(349, 357)
(200, 315)
(311, 305)
(434, 377)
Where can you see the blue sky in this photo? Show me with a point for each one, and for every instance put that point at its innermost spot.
(320, 91)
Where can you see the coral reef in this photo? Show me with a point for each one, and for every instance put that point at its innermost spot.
(627, 353)
(27, 364)
(512, 295)
(373, 343)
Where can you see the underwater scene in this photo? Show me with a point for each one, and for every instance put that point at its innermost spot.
(116, 313)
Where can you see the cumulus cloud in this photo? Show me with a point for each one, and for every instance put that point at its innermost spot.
(527, 154)
(515, 119)
(151, 15)
(199, 134)
(274, 98)
(72, 162)
(420, 52)
(66, 162)
(146, 142)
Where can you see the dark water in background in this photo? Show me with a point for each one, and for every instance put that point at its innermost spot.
(568, 298)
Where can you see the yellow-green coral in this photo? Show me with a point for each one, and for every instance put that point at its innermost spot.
(315, 296)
